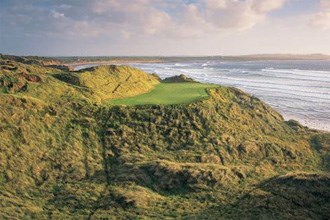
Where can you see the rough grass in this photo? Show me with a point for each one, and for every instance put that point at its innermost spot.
(168, 94)
(109, 82)
(65, 156)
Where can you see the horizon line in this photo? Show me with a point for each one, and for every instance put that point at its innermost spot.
(192, 56)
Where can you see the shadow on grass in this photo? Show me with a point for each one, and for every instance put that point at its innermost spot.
(295, 196)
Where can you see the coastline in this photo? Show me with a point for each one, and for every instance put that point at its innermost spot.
(307, 122)
(310, 122)
(74, 65)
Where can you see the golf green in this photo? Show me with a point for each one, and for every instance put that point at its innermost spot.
(168, 93)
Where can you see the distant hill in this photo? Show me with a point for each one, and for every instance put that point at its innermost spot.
(66, 153)
(71, 62)
(285, 57)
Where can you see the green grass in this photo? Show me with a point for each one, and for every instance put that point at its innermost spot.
(64, 155)
(168, 93)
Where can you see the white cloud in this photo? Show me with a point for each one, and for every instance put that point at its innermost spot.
(133, 16)
(65, 6)
(129, 19)
(84, 28)
(156, 17)
(57, 15)
(325, 4)
(321, 20)
(217, 4)
(266, 6)
(236, 14)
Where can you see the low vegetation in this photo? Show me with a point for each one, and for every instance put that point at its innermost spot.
(109, 82)
(204, 152)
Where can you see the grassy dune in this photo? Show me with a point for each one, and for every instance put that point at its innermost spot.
(110, 82)
(66, 155)
(167, 94)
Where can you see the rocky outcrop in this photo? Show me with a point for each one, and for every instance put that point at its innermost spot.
(178, 79)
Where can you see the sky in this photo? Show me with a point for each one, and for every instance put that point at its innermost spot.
(163, 27)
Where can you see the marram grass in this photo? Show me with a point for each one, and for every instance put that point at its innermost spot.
(66, 153)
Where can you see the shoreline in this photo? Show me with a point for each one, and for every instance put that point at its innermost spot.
(311, 124)
(98, 63)
(306, 122)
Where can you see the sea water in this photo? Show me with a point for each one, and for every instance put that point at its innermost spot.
(299, 90)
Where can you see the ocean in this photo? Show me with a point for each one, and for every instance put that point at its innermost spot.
(299, 90)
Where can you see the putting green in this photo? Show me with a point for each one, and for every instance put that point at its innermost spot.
(168, 93)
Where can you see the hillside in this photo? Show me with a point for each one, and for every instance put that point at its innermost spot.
(65, 153)
(109, 82)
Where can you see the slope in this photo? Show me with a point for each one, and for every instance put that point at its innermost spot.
(63, 155)
(109, 82)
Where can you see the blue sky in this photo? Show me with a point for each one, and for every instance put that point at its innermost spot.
(164, 27)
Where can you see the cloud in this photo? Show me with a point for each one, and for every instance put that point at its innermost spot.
(183, 18)
(321, 20)
(266, 6)
(235, 14)
(325, 4)
(133, 18)
(57, 15)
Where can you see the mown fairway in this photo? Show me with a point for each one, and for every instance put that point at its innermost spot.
(168, 93)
